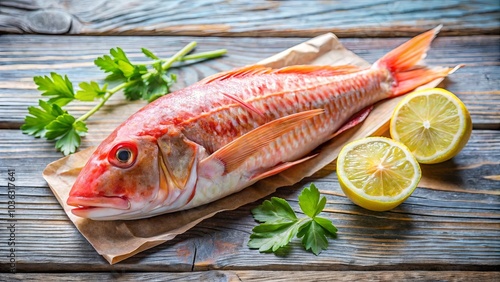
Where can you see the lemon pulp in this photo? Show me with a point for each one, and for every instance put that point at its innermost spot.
(433, 123)
(377, 173)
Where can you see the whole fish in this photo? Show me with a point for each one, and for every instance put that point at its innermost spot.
(232, 129)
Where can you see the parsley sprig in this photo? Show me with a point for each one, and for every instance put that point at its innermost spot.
(146, 81)
(279, 223)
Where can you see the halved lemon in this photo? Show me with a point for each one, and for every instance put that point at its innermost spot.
(433, 123)
(377, 173)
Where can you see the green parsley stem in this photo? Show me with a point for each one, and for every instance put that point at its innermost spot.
(188, 48)
(204, 55)
(197, 56)
(104, 99)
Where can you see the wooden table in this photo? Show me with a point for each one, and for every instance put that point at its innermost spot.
(449, 229)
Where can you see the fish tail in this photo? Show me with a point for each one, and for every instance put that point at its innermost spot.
(408, 80)
(402, 60)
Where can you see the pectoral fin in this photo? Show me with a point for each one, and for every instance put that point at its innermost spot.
(178, 154)
(319, 70)
(234, 153)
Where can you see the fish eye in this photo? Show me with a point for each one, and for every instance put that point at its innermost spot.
(123, 155)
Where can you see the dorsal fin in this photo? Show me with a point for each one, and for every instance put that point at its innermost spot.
(318, 70)
(298, 69)
(241, 72)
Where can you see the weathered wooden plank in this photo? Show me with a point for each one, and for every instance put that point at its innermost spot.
(451, 222)
(436, 229)
(45, 240)
(367, 18)
(22, 57)
(256, 276)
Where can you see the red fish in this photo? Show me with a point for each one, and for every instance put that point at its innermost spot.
(232, 129)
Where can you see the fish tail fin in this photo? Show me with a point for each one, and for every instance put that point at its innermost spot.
(409, 53)
(402, 60)
(408, 80)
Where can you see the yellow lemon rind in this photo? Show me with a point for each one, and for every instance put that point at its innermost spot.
(461, 137)
(376, 203)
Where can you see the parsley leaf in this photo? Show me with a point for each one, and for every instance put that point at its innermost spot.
(108, 65)
(126, 68)
(135, 91)
(149, 54)
(119, 55)
(279, 227)
(274, 211)
(313, 237)
(159, 85)
(69, 142)
(90, 91)
(327, 225)
(52, 122)
(310, 202)
(155, 86)
(59, 126)
(118, 65)
(279, 223)
(34, 124)
(57, 87)
(272, 237)
(68, 130)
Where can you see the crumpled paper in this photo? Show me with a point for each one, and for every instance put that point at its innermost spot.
(118, 240)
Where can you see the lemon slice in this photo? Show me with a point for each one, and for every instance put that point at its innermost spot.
(433, 123)
(377, 173)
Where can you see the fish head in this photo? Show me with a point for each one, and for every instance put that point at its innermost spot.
(120, 178)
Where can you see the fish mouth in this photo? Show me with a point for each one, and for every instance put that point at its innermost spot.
(90, 205)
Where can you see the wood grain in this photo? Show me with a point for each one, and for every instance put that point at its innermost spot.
(260, 18)
(21, 58)
(450, 223)
(449, 229)
(264, 276)
(457, 210)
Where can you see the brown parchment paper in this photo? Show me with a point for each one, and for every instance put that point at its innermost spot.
(118, 240)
